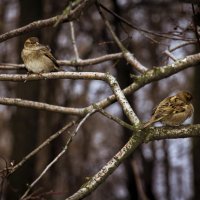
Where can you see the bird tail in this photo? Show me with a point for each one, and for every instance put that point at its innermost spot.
(152, 121)
(146, 124)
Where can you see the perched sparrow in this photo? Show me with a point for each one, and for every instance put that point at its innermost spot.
(172, 111)
(37, 57)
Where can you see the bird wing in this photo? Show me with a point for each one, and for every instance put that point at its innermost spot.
(47, 52)
(168, 106)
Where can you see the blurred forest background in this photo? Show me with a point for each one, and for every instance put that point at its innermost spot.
(167, 169)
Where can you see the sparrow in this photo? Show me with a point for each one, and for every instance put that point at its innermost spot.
(37, 57)
(173, 110)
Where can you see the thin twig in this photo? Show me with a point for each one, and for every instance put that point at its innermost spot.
(74, 41)
(80, 62)
(182, 45)
(58, 156)
(138, 180)
(141, 29)
(46, 142)
(170, 55)
(116, 119)
(79, 7)
(127, 55)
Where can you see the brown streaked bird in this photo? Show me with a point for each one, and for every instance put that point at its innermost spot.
(37, 57)
(173, 110)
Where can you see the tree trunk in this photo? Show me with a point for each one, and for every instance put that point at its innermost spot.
(24, 125)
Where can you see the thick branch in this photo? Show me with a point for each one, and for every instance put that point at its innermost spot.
(41, 106)
(53, 75)
(137, 139)
(108, 169)
(172, 133)
(123, 101)
(154, 74)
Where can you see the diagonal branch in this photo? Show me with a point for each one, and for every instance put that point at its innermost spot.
(46, 142)
(123, 101)
(137, 139)
(73, 13)
(141, 30)
(127, 55)
(116, 119)
(155, 74)
(69, 140)
(109, 167)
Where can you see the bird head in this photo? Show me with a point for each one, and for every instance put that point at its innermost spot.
(31, 42)
(185, 96)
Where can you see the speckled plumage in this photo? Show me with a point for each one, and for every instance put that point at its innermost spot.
(173, 111)
(37, 57)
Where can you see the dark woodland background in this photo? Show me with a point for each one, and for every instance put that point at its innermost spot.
(167, 169)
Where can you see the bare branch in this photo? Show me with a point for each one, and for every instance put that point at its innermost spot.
(163, 35)
(74, 41)
(127, 55)
(116, 119)
(182, 45)
(161, 133)
(109, 167)
(86, 62)
(170, 55)
(11, 66)
(123, 101)
(155, 74)
(58, 156)
(78, 7)
(137, 139)
(53, 75)
(45, 143)
(41, 106)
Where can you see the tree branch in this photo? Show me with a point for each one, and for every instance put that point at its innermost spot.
(73, 13)
(42, 106)
(116, 119)
(69, 140)
(36, 150)
(138, 138)
(127, 55)
(86, 62)
(108, 168)
(73, 38)
(161, 133)
(155, 74)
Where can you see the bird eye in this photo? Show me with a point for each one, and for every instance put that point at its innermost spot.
(189, 97)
